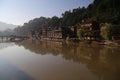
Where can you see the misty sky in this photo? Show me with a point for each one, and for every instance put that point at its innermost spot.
(20, 11)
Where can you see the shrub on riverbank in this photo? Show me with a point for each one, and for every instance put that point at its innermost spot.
(107, 31)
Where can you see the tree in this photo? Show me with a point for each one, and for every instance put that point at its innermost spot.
(107, 31)
(80, 33)
(101, 10)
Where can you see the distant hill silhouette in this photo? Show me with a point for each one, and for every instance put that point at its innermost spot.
(4, 26)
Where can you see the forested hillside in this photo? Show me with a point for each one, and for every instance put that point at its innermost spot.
(105, 10)
(100, 10)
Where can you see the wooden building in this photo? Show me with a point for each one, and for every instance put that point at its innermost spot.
(58, 33)
(54, 34)
(91, 31)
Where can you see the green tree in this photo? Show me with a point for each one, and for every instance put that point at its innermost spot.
(107, 31)
(80, 33)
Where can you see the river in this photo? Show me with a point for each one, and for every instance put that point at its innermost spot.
(48, 60)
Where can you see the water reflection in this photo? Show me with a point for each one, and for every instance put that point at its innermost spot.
(5, 45)
(10, 72)
(102, 61)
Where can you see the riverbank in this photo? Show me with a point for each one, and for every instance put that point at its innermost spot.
(78, 41)
(106, 42)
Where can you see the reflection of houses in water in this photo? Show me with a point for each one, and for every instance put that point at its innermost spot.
(104, 62)
(73, 50)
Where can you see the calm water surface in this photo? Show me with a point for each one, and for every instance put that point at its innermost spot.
(36, 60)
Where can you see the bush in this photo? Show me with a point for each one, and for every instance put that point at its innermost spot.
(107, 31)
(80, 33)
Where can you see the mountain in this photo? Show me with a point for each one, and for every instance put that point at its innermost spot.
(4, 26)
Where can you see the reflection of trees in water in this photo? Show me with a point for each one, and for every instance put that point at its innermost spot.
(102, 61)
(42, 47)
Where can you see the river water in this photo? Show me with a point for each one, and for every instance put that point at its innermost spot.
(48, 60)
